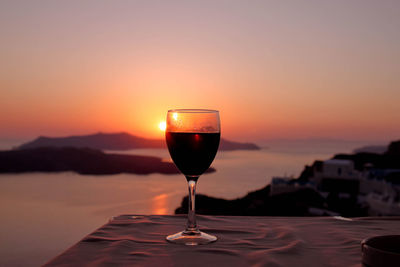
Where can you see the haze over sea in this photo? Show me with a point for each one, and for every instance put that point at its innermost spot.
(52, 211)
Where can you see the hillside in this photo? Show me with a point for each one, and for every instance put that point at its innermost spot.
(118, 141)
(82, 161)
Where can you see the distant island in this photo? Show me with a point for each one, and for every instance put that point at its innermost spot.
(371, 149)
(118, 141)
(390, 159)
(84, 155)
(351, 185)
(81, 160)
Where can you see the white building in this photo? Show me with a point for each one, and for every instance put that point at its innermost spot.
(385, 203)
(336, 175)
(373, 180)
(280, 185)
(336, 168)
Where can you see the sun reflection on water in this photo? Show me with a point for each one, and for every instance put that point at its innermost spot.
(159, 204)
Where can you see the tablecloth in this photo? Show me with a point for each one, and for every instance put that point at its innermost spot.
(130, 240)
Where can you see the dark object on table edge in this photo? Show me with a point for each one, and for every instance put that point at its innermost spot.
(381, 251)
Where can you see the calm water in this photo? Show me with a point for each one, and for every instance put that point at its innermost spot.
(44, 214)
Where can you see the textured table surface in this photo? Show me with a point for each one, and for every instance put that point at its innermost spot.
(242, 241)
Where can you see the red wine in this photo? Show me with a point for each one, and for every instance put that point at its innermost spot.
(192, 153)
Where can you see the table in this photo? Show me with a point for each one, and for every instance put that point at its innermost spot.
(129, 240)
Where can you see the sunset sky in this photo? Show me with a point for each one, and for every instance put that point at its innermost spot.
(274, 69)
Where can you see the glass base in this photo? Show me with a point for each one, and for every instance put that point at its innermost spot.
(191, 238)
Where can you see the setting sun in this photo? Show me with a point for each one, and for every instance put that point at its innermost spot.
(162, 125)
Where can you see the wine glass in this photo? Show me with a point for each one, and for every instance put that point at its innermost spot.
(192, 137)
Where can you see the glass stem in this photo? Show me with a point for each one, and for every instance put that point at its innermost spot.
(191, 223)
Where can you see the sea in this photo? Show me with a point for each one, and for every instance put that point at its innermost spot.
(43, 214)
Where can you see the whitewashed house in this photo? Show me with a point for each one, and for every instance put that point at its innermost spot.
(280, 185)
(336, 175)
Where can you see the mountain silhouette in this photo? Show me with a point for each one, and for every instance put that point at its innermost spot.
(118, 141)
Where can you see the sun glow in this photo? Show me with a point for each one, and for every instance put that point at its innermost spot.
(160, 204)
(162, 125)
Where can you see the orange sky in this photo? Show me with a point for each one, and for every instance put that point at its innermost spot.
(274, 70)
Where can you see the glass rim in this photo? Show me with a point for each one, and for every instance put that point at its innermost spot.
(195, 110)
